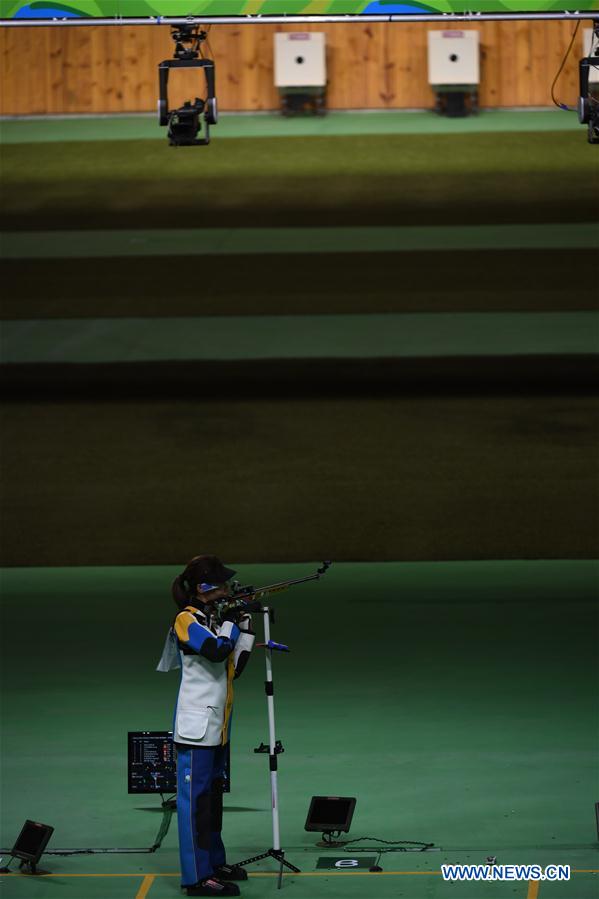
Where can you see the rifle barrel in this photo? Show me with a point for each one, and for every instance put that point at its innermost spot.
(281, 585)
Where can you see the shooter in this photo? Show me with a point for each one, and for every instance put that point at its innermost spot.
(211, 640)
(211, 652)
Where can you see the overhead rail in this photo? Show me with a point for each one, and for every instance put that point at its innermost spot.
(446, 18)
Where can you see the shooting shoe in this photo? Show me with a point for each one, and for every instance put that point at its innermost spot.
(213, 887)
(230, 872)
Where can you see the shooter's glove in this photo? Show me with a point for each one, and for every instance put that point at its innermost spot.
(233, 614)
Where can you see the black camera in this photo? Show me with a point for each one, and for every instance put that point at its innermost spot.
(184, 124)
(588, 100)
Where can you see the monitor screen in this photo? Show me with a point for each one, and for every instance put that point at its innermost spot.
(32, 841)
(152, 762)
(94, 9)
(330, 813)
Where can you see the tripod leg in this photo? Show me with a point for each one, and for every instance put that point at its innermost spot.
(281, 861)
(290, 866)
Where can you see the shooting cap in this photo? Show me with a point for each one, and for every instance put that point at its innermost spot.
(201, 570)
(207, 570)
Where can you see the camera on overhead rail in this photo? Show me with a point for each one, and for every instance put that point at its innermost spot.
(185, 123)
(588, 100)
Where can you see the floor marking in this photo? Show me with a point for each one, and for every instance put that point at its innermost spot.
(533, 884)
(140, 242)
(90, 127)
(250, 873)
(533, 889)
(330, 873)
(351, 335)
(145, 886)
(136, 874)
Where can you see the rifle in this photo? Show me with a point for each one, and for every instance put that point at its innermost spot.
(249, 598)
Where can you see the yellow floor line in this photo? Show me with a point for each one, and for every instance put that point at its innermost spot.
(136, 874)
(533, 889)
(145, 886)
(329, 873)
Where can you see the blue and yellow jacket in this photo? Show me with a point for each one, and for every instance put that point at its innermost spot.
(210, 659)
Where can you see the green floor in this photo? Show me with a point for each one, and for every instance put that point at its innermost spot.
(337, 336)
(477, 248)
(531, 280)
(45, 129)
(374, 180)
(111, 479)
(274, 241)
(395, 222)
(456, 701)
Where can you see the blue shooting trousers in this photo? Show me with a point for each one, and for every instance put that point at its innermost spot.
(200, 777)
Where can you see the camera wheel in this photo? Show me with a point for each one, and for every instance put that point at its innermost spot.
(211, 114)
(584, 110)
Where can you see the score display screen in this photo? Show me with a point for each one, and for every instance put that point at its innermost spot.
(106, 9)
(152, 764)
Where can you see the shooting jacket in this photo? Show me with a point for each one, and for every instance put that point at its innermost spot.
(210, 659)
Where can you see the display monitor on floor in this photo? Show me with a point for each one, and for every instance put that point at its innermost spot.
(330, 814)
(32, 841)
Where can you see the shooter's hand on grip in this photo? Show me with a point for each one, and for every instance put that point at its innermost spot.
(232, 613)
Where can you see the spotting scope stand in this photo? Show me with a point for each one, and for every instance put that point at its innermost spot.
(274, 748)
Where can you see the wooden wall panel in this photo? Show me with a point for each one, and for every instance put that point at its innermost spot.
(567, 89)
(539, 69)
(113, 69)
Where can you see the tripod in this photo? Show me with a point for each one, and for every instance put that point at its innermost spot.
(273, 749)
